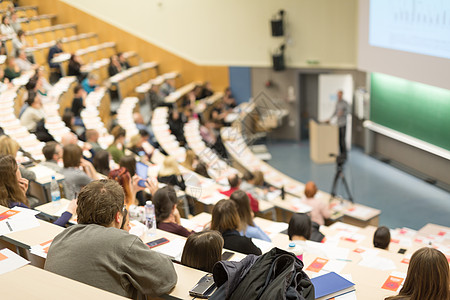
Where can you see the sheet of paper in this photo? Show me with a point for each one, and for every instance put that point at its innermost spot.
(375, 262)
(263, 245)
(41, 249)
(9, 261)
(186, 223)
(173, 249)
(335, 266)
(18, 222)
(317, 265)
(339, 226)
(137, 228)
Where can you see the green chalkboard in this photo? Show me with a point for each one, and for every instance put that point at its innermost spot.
(416, 109)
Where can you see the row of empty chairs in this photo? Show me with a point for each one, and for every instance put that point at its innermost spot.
(51, 33)
(126, 81)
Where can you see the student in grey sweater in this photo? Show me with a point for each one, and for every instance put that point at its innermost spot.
(97, 252)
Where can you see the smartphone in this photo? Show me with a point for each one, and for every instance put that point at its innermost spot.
(157, 242)
(204, 287)
(227, 255)
(402, 250)
(142, 171)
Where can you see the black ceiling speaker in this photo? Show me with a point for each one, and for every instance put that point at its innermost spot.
(278, 59)
(277, 24)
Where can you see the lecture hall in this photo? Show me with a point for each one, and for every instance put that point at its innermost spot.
(258, 149)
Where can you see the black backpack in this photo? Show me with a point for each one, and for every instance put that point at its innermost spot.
(275, 275)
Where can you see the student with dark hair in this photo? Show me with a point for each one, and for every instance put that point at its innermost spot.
(114, 66)
(53, 153)
(202, 250)
(225, 219)
(247, 227)
(299, 227)
(78, 103)
(427, 277)
(166, 211)
(13, 189)
(75, 178)
(129, 162)
(382, 238)
(101, 162)
(123, 61)
(98, 253)
(235, 183)
(74, 67)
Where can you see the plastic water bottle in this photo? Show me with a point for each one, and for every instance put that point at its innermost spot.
(150, 219)
(296, 249)
(54, 191)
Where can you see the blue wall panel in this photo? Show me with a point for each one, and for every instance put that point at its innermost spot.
(240, 83)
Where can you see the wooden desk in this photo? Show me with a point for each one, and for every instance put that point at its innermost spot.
(22, 241)
(30, 282)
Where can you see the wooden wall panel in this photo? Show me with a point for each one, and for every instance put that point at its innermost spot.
(217, 75)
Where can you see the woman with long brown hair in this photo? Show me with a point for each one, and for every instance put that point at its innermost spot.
(13, 189)
(427, 277)
(225, 219)
(247, 227)
(202, 250)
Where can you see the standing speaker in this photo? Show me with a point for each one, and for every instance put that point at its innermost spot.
(277, 27)
(278, 62)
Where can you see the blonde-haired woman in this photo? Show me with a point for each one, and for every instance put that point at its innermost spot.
(170, 173)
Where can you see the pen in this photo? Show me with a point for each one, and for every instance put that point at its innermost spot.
(341, 259)
(9, 226)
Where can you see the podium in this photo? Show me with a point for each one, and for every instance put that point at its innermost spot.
(323, 140)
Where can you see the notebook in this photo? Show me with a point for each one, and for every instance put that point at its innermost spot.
(331, 285)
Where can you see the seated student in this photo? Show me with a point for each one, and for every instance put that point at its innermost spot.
(167, 87)
(228, 99)
(129, 184)
(382, 238)
(198, 244)
(247, 226)
(92, 136)
(90, 83)
(427, 277)
(301, 229)
(123, 61)
(23, 63)
(53, 153)
(74, 67)
(166, 211)
(206, 90)
(170, 173)
(98, 253)
(129, 163)
(191, 162)
(78, 103)
(225, 219)
(114, 66)
(33, 118)
(101, 162)
(136, 146)
(69, 120)
(53, 52)
(8, 146)
(13, 189)
(320, 210)
(117, 148)
(176, 123)
(235, 183)
(74, 178)
(154, 95)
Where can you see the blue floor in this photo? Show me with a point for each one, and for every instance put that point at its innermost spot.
(404, 200)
